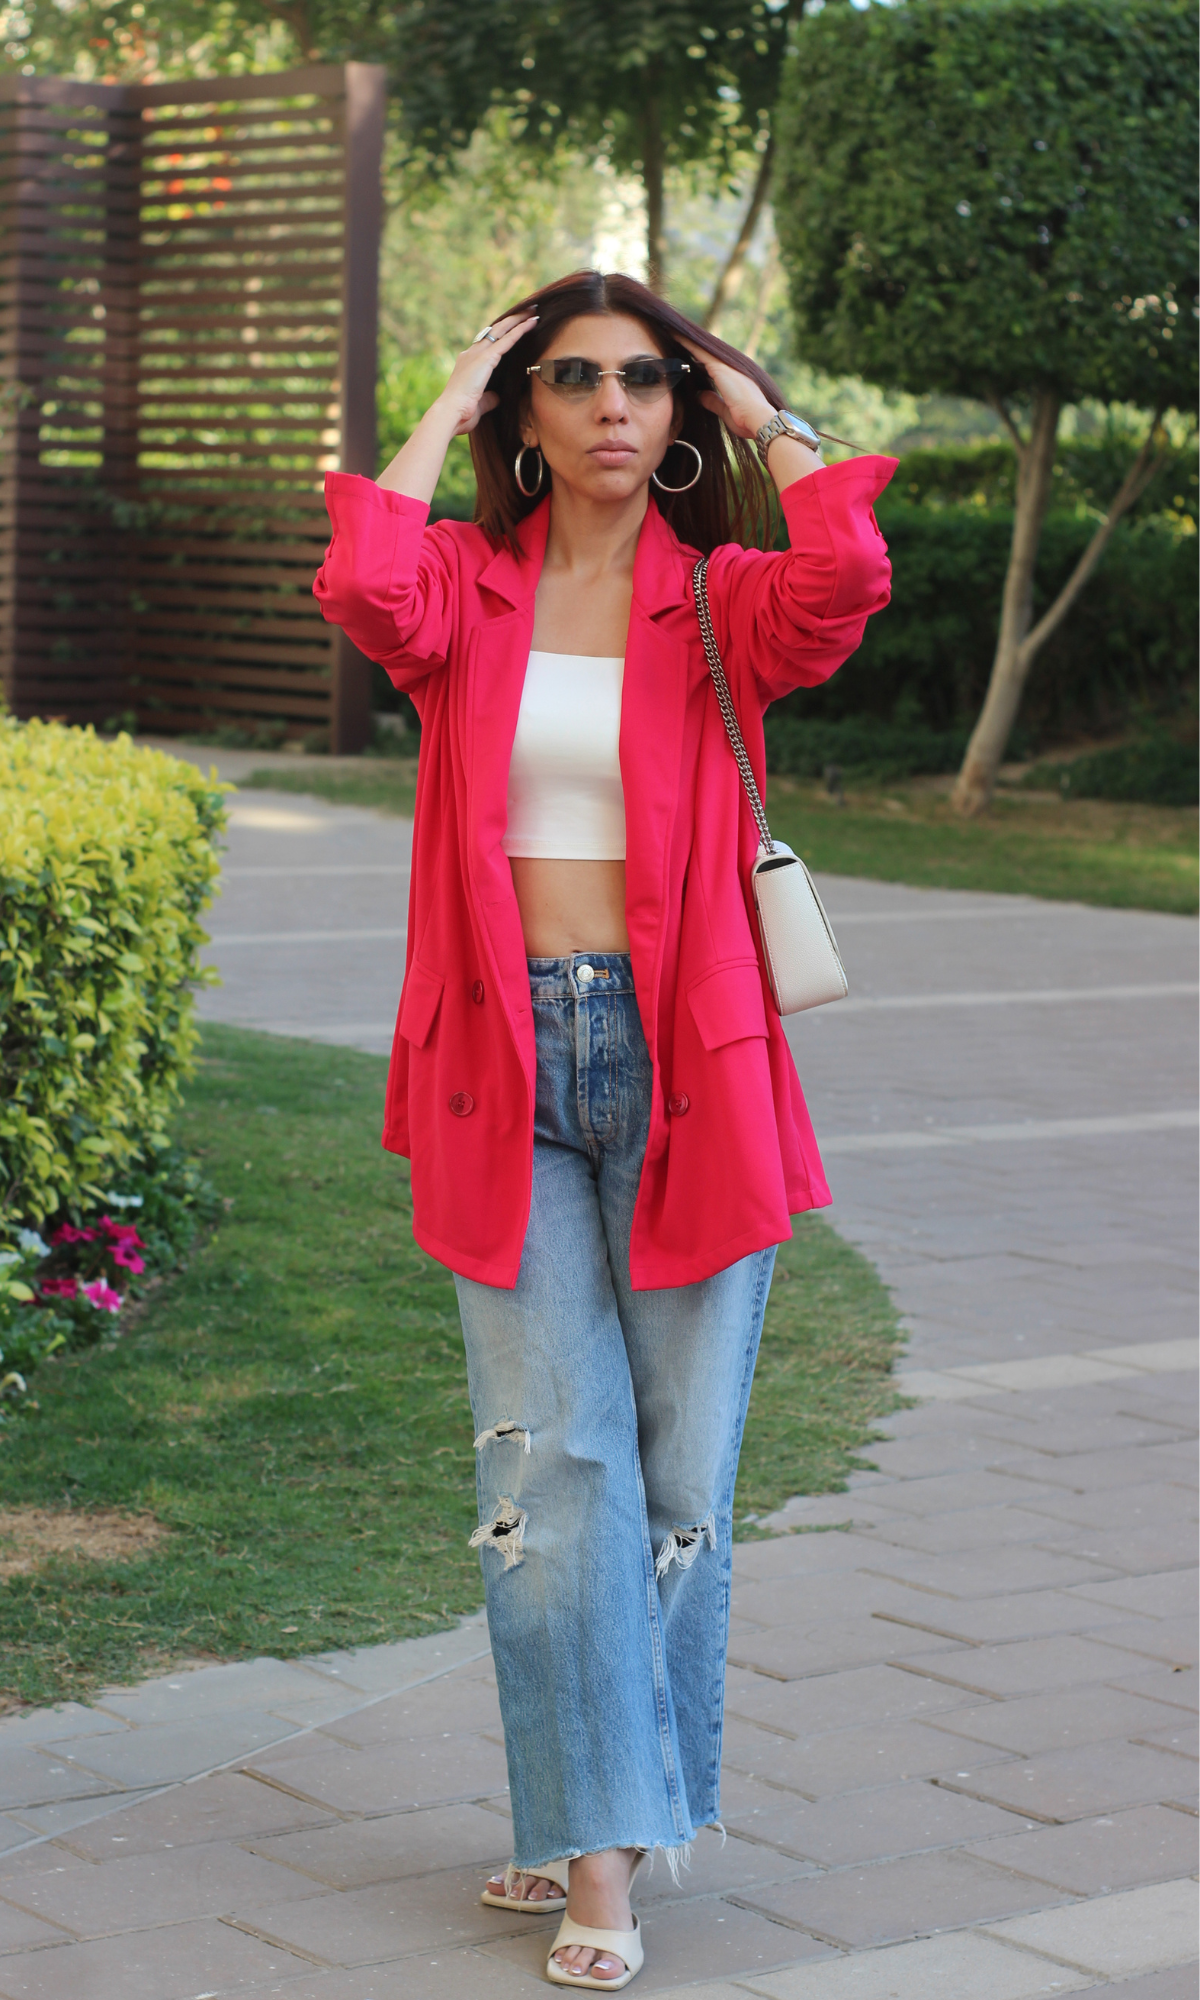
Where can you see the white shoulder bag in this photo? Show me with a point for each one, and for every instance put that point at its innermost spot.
(799, 948)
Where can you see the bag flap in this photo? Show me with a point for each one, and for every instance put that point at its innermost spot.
(727, 1003)
(419, 1002)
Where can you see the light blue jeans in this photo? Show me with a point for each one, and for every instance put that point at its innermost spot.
(609, 1423)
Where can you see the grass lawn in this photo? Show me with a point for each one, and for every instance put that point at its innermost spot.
(292, 1406)
(1029, 844)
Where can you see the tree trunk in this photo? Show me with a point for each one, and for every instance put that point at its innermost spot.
(652, 175)
(729, 283)
(976, 781)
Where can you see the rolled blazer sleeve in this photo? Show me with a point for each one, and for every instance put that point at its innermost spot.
(387, 578)
(793, 617)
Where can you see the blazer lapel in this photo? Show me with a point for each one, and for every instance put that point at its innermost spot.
(653, 702)
(491, 700)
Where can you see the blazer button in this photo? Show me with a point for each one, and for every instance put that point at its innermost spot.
(678, 1104)
(462, 1104)
(477, 993)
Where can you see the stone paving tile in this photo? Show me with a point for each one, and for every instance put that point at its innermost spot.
(1091, 1857)
(167, 1751)
(961, 1966)
(356, 1853)
(1027, 1666)
(21, 1931)
(176, 1963)
(1126, 1507)
(792, 1651)
(1007, 1570)
(908, 1897)
(1102, 1471)
(1160, 1596)
(1180, 1982)
(688, 1941)
(843, 1760)
(381, 1669)
(1075, 1784)
(1172, 1640)
(1031, 1614)
(450, 1975)
(415, 1914)
(1136, 1931)
(872, 1825)
(50, 1725)
(229, 1806)
(845, 1598)
(835, 1701)
(31, 1777)
(426, 1772)
(718, 1868)
(1174, 1687)
(166, 1888)
(198, 1691)
(1180, 1738)
(1070, 1718)
(452, 1704)
(800, 1555)
(981, 1529)
(963, 1492)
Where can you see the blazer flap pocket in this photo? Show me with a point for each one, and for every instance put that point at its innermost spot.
(419, 1003)
(727, 1003)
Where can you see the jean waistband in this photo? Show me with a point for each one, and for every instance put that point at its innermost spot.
(581, 976)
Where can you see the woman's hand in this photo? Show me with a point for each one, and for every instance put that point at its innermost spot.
(734, 397)
(466, 395)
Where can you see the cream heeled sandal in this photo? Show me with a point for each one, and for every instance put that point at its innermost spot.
(626, 1945)
(622, 1944)
(552, 1871)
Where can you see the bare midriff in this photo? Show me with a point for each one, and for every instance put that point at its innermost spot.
(570, 906)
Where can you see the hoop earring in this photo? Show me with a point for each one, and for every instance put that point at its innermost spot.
(695, 476)
(528, 491)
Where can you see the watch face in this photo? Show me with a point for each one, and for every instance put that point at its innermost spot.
(804, 430)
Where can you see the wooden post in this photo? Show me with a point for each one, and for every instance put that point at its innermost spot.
(364, 113)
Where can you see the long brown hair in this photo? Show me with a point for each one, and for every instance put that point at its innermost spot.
(731, 500)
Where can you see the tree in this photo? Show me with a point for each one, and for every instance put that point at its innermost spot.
(673, 82)
(996, 201)
(652, 83)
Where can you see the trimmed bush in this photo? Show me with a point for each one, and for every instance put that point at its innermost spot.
(1155, 771)
(887, 750)
(106, 863)
(1129, 644)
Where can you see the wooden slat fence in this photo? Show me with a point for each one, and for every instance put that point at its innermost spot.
(188, 303)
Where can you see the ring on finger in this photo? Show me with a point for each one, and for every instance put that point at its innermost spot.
(485, 333)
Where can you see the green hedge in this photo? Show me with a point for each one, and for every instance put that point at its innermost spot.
(106, 863)
(1155, 770)
(1128, 645)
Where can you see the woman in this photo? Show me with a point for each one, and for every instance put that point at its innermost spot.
(606, 1130)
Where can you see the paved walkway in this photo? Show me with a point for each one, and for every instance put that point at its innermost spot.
(960, 1745)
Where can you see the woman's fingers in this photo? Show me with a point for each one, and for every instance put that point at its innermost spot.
(487, 401)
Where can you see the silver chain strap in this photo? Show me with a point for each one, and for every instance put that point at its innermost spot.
(725, 701)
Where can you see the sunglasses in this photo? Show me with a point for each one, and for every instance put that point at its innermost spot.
(643, 381)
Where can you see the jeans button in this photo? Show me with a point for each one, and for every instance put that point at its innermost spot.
(678, 1104)
(462, 1104)
(585, 972)
(477, 993)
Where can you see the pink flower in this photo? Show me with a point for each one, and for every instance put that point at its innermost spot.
(125, 1255)
(68, 1234)
(103, 1296)
(59, 1288)
(121, 1232)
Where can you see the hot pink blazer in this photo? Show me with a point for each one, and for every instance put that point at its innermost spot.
(731, 1153)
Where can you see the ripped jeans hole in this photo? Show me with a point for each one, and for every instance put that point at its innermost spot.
(502, 1433)
(683, 1545)
(505, 1533)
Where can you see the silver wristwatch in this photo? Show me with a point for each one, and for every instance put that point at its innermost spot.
(785, 423)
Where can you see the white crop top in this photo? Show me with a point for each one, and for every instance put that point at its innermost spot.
(565, 800)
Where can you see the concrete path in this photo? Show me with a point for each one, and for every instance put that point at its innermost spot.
(961, 1733)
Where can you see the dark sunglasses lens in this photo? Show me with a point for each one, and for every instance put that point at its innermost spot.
(651, 378)
(572, 375)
